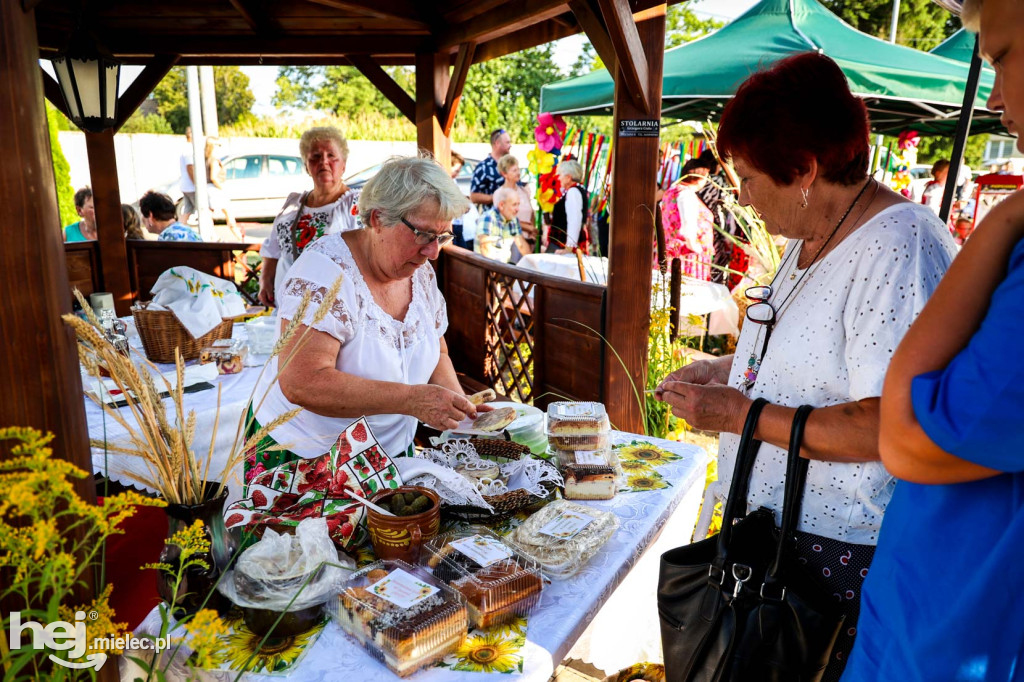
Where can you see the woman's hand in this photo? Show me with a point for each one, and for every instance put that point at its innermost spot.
(438, 407)
(267, 275)
(708, 406)
(701, 372)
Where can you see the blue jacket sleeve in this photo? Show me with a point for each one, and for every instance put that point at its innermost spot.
(974, 408)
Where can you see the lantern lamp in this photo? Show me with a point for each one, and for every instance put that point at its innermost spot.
(88, 77)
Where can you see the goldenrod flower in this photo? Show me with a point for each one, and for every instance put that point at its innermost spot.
(206, 628)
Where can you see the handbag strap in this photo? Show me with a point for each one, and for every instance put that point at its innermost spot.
(736, 502)
(796, 476)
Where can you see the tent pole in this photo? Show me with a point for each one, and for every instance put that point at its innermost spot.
(963, 127)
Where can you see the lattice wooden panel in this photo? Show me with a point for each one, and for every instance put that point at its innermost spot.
(247, 275)
(508, 364)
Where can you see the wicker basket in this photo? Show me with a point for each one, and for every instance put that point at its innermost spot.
(161, 333)
(508, 504)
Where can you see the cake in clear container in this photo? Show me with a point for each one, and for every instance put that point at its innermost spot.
(578, 427)
(498, 583)
(406, 618)
(590, 481)
(563, 536)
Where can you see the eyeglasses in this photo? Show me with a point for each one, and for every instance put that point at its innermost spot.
(423, 237)
(761, 311)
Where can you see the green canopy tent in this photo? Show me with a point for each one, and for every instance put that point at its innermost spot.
(959, 46)
(902, 87)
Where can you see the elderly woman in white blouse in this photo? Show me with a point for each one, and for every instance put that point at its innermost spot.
(861, 263)
(307, 216)
(380, 352)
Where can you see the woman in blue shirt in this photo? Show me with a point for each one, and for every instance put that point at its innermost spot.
(944, 599)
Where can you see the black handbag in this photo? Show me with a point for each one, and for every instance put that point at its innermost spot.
(739, 606)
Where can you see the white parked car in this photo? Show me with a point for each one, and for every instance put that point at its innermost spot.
(257, 184)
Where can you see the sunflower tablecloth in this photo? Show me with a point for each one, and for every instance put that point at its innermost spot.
(614, 593)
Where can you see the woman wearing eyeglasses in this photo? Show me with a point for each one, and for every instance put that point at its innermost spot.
(860, 265)
(380, 352)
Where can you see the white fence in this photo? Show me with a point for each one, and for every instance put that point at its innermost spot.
(147, 161)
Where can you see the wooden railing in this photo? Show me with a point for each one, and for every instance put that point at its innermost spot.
(526, 334)
(148, 259)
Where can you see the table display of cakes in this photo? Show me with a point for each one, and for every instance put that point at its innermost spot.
(416, 603)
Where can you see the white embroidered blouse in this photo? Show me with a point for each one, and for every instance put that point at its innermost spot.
(293, 230)
(374, 345)
(832, 344)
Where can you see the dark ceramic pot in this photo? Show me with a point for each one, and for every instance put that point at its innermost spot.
(197, 582)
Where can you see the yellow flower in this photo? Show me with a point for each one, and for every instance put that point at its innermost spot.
(488, 653)
(277, 654)
(515, 629)
(206, 628)
(540, 161)
(647, 672)
(191, 540)
(647, 453)
(642, 482)
(631, 466)
(103, 626)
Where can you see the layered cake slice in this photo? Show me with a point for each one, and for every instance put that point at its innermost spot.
(404, 618)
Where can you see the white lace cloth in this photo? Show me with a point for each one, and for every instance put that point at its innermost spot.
(620, 611)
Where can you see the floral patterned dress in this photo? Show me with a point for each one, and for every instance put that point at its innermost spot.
(297, 226)
(689, 231)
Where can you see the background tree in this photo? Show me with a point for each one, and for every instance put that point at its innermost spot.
(61, 169)
(340, 90)
(231, 88)
(922, 25)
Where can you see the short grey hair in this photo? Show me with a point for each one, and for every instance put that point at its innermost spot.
(322, 134)
(506, 162)
(572, 168)
(403, 184)
(970, 15)
(503, 194)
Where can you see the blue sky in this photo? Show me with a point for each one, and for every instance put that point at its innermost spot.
(261, 78)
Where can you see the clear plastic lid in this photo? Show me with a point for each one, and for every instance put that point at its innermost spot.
(401, 614)
(586, 453)
(563, 536)
(577, 419)
(498, 582)
(229, 354)
(590, 482)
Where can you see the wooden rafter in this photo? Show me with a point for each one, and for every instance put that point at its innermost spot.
(524, 38)
(451, 101)
(470, 9)
(259, 21)
(384, 9)
(51, 89)
(395, 93)
(129, 46)
(589, 18)
(143, 84)
(629, 50)
(511, 16)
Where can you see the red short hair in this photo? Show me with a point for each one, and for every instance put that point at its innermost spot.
(798, 109)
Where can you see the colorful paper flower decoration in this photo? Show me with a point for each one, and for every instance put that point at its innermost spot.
(549, 132)
(540, 161)
(908, 139)
(549, 192)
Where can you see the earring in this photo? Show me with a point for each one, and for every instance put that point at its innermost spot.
(805, 191)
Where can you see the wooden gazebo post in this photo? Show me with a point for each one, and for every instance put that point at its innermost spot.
(639, 48)
(42, 384)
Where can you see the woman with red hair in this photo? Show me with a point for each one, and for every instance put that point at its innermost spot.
(860, 265)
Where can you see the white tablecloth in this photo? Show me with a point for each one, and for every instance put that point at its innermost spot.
(235, 390)
(697, 297)
(620, 611)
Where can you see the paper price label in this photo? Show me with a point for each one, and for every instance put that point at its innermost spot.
(481, 549)
(590, 457)
(566, 525)
(402, 589)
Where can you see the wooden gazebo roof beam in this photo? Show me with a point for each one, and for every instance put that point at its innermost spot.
(259, 21)
(496, 22)
(382, 9)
